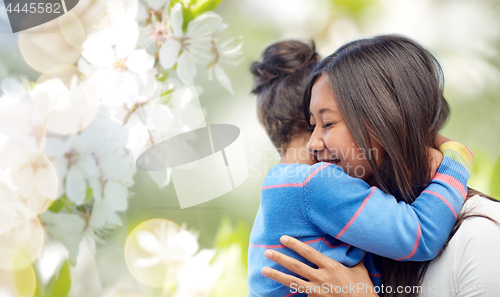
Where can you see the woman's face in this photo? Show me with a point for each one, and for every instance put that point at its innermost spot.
(331, 140)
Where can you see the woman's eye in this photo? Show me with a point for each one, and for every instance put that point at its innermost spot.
(312, 127)
(326, 125)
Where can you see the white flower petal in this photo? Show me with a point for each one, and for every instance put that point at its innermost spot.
(104, 216)
(142, 13)
(161, 178)
(204, 25)
(67, 228)
(147, 262)
(140, 61)
(116, 195)
(186, 241)
(97, 48)
(222, 26)
(60, 164)
(223, 78)
(127, 35)
(46, 182)
(231, 49)
(169, 52)
(76, 187)
(148, 242)
(186, 69)
(87, 163)
(157, 4)
(176, 20)
(54, 147)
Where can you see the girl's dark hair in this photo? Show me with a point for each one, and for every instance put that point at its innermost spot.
(279, 83)
(391, 88)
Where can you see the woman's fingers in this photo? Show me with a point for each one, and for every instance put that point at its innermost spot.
(283, 278)
(290, 263)
(306, 251)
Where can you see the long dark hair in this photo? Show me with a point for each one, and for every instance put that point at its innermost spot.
(391, 88)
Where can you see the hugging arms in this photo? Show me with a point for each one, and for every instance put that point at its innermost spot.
(382, 94)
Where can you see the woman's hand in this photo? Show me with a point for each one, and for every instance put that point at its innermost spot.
(330, 278)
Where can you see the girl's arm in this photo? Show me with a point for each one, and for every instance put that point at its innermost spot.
(367, 218)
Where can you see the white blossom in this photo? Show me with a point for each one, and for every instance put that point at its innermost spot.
(124, 74)
(65, 110)
(228, 52)
(97, 158)
(194, 46)
(197, 276)
(166, 244)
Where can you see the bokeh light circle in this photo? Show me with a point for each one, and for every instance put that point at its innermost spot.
(20, 231)
(46, 46)
(152, 275)
(17, 276)
(63, 72)
(36, 182)
(72, 29)
(22, 133)
(66, 110)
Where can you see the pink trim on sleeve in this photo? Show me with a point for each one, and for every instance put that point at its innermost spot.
(355, 215)
(415, 246)
(444, 200)
(297, 184)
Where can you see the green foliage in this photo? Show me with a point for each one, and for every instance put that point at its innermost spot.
(232, 246)
(495, 180)
(89, 194)
(162, 76)
(227, 235)
(194, 8)
(63, 201)
(56, 206)
(60, 283)
(24, 278)
(202, 6)
(481, 171)
(355, 7)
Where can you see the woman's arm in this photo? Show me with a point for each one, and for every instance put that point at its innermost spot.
(369, 219)
(330, 278)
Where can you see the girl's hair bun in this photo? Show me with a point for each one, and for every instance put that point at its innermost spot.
(282, 59)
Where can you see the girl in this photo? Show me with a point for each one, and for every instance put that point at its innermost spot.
(386, 87)
(324, 205)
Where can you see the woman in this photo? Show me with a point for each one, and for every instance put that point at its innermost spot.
(394, 86)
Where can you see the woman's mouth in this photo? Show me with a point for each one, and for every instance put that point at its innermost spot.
(332, 161)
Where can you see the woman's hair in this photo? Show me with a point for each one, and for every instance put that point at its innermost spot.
(279, 83)
(391, 88)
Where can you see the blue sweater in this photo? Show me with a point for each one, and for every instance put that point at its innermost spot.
(344, 217)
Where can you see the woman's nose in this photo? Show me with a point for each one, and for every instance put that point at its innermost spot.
(315, 143)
